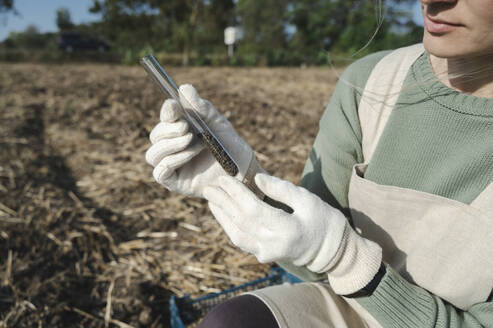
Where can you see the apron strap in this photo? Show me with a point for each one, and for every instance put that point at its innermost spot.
(381, 93)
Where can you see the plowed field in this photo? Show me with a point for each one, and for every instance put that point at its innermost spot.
(87, 238)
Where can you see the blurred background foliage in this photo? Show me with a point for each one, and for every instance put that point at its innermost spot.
(191, 32)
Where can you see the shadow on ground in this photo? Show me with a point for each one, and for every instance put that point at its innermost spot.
(60, 244)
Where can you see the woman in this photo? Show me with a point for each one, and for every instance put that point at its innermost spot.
(392, 226)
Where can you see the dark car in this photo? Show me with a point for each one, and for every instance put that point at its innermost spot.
(74, 41)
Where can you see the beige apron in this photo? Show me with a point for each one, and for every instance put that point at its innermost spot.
(437, 243)
(313, 305)
(440, 244)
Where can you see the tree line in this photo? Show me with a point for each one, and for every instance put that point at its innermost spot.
(276, 32)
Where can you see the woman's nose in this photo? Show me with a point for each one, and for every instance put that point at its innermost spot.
(433, 7)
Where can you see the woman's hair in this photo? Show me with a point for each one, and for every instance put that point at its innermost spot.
(466, 74)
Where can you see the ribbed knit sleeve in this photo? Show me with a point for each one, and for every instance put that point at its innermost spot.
(441, 156)
(397, 303)
(337, 146)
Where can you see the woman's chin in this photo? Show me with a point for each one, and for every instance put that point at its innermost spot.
(440, 46)
(449, 46)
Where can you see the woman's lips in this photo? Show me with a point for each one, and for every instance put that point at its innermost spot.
(435, 26)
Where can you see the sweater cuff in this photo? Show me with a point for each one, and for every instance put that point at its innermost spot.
(397, 303)
(357, 262)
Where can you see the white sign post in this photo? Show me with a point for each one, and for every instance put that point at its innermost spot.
(231, 35)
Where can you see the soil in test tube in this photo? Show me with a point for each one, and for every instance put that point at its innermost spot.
(219, 153)
(230, 167)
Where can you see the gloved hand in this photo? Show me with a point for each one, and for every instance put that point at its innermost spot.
(315, 235)
(181, 162)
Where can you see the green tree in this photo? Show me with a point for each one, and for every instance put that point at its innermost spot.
(218, 14)
(197, 25)
(185, 17)
(278, 31)
(342, 25)
(129, 26)
(178, 21)
(30, 38)
(264, 22)
(6, 5)
(63, 19)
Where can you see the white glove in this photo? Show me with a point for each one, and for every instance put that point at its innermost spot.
(181, 162)
(315, 235)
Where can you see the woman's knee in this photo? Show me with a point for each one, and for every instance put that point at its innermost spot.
(245, 311)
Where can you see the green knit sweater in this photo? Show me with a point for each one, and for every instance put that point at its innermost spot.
(437, 140)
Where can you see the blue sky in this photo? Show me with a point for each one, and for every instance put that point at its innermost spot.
(42, 14)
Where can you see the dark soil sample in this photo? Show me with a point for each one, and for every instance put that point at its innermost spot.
(219, 153)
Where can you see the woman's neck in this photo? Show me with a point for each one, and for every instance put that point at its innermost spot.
(473, 76)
